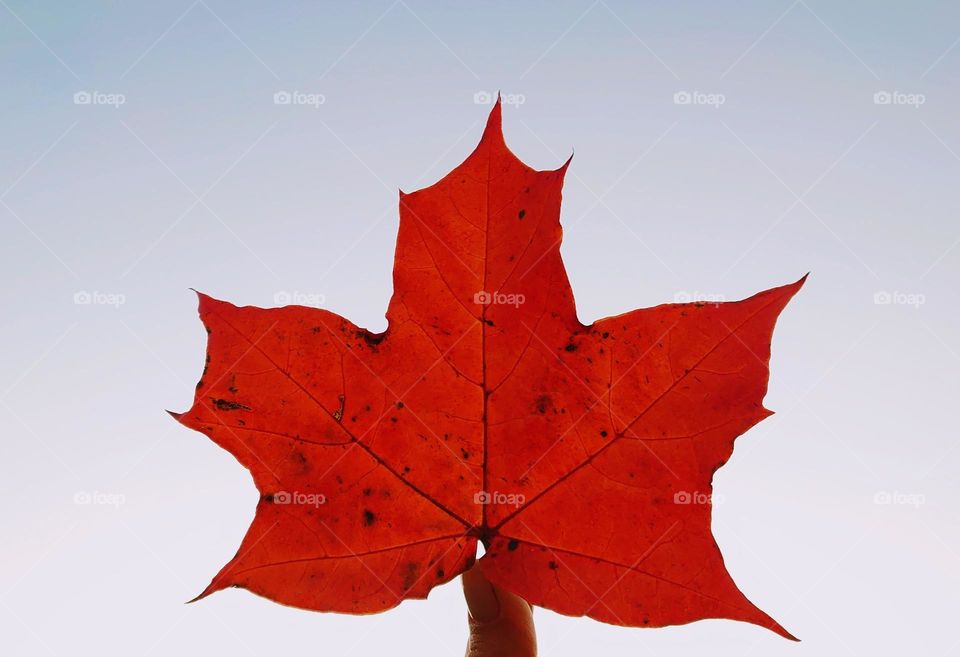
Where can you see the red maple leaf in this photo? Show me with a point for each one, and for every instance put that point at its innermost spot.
(581, 456)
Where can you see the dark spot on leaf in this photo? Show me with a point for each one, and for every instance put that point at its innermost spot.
(513, 544)
(410, 575)
(552, 565)
(521, 214)
(369, 517)
(543, 403)
(227, 405)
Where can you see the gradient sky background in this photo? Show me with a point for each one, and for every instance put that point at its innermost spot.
(199, 180)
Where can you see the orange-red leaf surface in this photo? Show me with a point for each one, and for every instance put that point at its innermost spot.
(581, 456)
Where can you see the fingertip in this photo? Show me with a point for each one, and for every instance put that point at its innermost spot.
(481, 596)
(501, 623)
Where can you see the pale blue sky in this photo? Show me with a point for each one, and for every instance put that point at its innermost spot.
(785, 161)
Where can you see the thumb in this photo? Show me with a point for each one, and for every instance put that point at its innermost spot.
(501, 623)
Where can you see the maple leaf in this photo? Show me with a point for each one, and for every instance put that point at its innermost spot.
(580, 456)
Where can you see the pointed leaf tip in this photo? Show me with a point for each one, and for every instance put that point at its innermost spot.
(782, 631)
(196, 599)
(795, 286)
(494, 127)
(212, 587)
(201, 297)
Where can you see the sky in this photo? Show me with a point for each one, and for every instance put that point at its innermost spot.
(721, 149)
